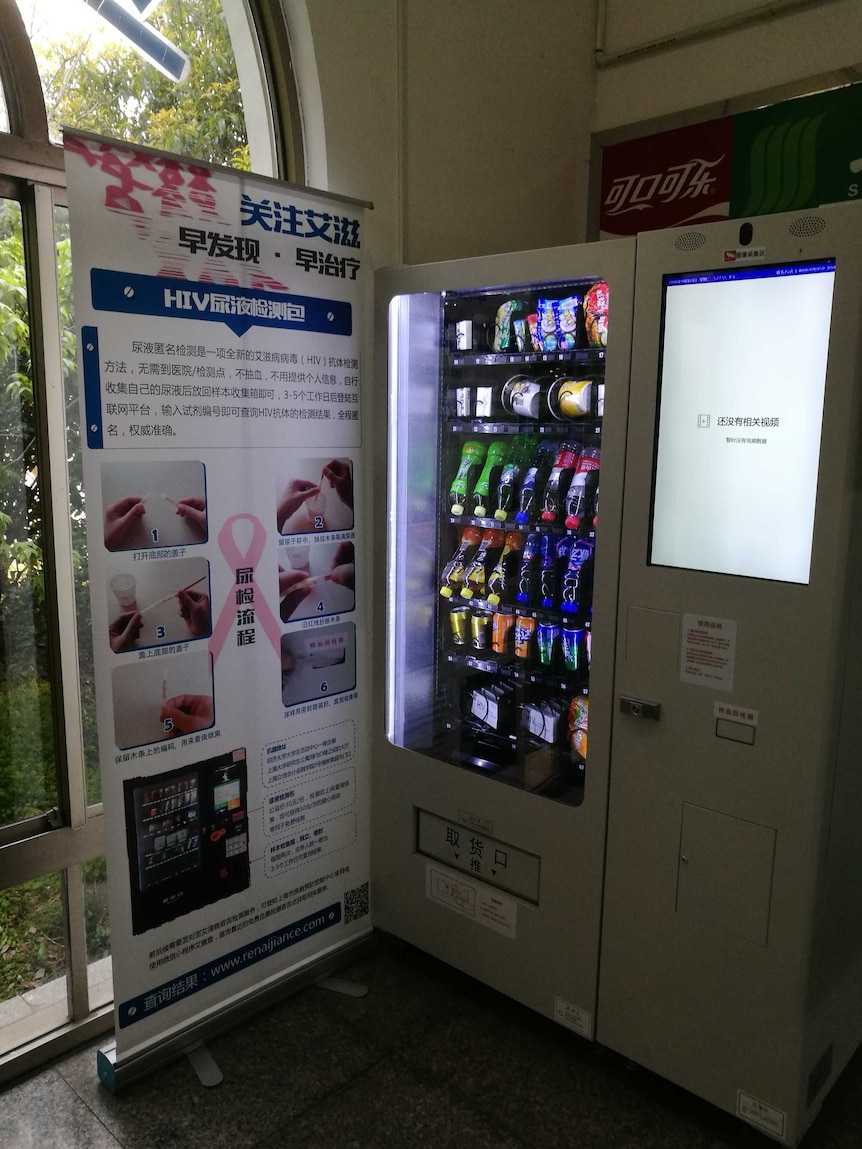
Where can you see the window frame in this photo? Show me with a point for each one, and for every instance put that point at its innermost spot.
(32, 172)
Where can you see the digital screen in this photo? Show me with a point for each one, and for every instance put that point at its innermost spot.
(227, 796)
(741, 383)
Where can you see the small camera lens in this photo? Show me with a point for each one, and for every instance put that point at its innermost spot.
(746, 232)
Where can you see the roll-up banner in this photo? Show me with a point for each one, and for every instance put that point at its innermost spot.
(217, 318)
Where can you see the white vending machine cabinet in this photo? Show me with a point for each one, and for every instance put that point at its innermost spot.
(503, 426)
(731, 955)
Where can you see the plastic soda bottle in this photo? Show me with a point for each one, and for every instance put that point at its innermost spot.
(576, 580)
(502, 579)
(529, 565)
(487, 481)
(453, 572)
(534, 481)
(511, 475)
(472, 457)
(555, 554)
(485, 556)
(548, 570)
(559, 481)
(583, 487)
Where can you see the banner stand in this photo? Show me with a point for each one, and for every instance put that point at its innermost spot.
(117, 1074)
(220, 332)
(342, 986)
(205, 1066)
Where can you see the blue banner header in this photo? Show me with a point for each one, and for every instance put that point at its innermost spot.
(238, 307)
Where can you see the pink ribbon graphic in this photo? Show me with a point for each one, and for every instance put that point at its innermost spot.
(235, 559)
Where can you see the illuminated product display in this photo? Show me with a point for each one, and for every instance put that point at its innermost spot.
(518, 448)
(187, 831)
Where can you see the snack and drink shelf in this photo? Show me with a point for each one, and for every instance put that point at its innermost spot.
(516, 672)
(587, 357)
(521, 399)
(555, 430)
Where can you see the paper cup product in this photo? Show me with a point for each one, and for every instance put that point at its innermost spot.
(125, 590)
(570, 398)
(298, 557)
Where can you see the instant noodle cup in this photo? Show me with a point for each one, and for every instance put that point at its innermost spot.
(571, 398)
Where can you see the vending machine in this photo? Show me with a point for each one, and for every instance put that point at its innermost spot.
(731, 954)
(503, 425)
(187, 833)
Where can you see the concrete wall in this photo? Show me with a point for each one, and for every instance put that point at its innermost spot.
(469, 122)
(708, 67)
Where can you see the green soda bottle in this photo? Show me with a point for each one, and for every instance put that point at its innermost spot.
(512, 475)
(472, 457)
(487, 481)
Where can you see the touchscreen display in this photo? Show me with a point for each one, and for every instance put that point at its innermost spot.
(741, 382)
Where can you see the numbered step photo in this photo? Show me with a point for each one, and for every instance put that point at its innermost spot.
(317, 496)
(162, 697)
(154, 504)
(316, 579)
(317, 663)
(156, 603)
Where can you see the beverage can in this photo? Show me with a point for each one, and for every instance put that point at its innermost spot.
(573, 647)
(501, 632)
(525, 628)
(589, 646)
(463, 402)
(459, 620)
(548, 634)
(480, 629)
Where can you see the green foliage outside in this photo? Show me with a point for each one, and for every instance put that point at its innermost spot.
(33, 933)
(113, 92)
(118, 94)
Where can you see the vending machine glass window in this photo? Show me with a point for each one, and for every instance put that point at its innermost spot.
(742, 376)
(496, 406)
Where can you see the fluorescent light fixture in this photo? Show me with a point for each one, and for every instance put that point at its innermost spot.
(145, 7)
(146, 40)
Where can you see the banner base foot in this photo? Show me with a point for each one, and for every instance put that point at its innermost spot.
(204, 1065)
(106, 1059)
(341, 985)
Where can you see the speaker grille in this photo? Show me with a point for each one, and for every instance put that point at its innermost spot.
(690, 241)
(807, 225)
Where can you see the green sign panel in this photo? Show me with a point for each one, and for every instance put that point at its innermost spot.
(798, 154)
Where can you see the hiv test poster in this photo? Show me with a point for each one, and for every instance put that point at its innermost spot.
(217, 318)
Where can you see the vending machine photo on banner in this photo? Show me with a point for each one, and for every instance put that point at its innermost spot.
(218, 320)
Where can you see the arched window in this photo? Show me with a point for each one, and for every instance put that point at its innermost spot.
(214, 95)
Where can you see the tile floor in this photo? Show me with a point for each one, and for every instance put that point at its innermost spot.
(428, 1058)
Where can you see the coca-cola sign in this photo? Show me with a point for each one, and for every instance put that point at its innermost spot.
(668, 179)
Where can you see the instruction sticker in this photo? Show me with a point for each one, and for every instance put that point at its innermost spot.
(573, 1017)
(744, 714)
(766, 1117)
(708, 651)
(485, 906)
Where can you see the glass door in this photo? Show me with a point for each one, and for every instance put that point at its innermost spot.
(497, 409)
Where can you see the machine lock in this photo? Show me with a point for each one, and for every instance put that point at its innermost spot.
(640, 708)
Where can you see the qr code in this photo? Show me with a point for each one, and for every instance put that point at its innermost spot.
(355, 903)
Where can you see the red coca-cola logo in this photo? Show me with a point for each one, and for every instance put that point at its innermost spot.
(668, 179)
